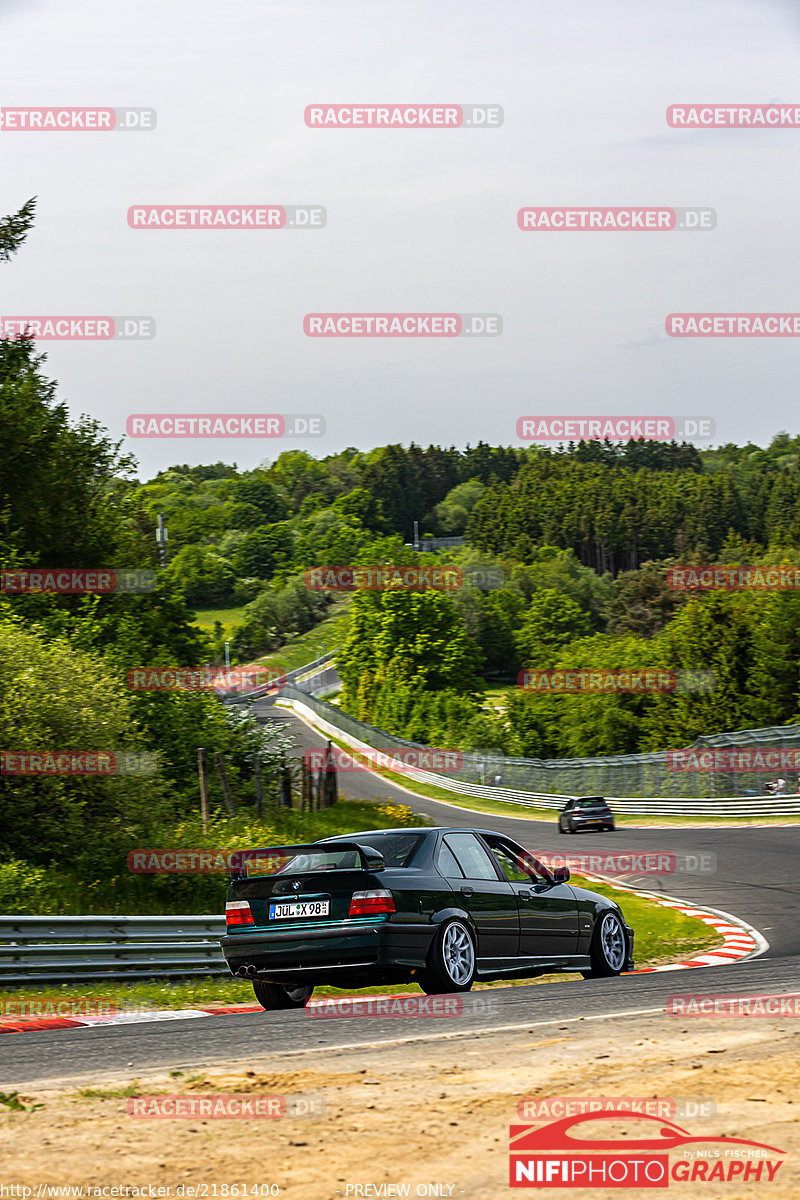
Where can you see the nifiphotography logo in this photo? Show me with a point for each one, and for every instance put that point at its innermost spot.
(657, 1153)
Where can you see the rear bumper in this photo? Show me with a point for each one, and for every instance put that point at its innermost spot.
(383, 944)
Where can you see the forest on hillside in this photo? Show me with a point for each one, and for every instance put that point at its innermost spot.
(565, 564)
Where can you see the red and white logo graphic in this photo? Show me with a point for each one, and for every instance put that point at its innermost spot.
(568, 1154)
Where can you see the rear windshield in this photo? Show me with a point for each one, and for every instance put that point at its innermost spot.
(276, 862)
(591, 802)
(398, 848)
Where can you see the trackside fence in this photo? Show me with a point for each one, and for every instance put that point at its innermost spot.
(638, 783)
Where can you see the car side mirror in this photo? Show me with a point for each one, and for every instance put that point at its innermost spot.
(560, 874)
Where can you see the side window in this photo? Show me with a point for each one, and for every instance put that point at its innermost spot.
(447, 864)
(471, 856)
(510, 867)
(518, 865)
(569, 806)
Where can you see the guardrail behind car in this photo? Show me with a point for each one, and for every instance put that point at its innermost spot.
(78, 949)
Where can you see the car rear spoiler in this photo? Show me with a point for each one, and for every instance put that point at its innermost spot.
(371, 859)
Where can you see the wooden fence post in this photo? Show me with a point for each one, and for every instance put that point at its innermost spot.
(202, 773)
(285, 786)
(226, 787)
(257, 777)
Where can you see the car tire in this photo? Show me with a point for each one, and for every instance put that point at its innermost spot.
(608, 950)
(451, 960)
(561, 828)
(275, 995)
(571, 827)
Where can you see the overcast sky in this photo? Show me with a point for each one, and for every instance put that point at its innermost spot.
(417, 221)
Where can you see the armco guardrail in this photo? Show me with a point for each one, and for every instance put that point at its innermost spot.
(336, 723)
(644, 782)
(319, 675)
(79, 949)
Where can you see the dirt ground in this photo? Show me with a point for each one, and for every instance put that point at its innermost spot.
(417, 1118)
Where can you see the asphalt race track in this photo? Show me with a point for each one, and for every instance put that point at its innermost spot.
(757, 878)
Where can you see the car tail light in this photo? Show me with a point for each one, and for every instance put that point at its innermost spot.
(237, 912)
(368, 904)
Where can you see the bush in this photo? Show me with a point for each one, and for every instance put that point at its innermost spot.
(22, 888)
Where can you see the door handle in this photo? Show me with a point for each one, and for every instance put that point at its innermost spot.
(524, 893)
(468, 891)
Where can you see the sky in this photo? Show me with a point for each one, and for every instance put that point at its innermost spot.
(418, 220)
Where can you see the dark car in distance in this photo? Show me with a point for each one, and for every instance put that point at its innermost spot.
(438, 907)
(585, 812)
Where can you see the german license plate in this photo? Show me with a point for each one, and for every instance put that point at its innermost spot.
(299, 908)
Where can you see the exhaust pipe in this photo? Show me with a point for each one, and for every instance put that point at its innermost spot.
(246, 971)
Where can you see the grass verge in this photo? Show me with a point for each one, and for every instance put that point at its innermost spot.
(228, 618)
(329, 632)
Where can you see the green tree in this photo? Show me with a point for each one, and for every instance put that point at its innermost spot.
(260, 493)
(56, 698)
(266, 550)
(417, 638)
(550, 622)
(203, 576)
(15, 229)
